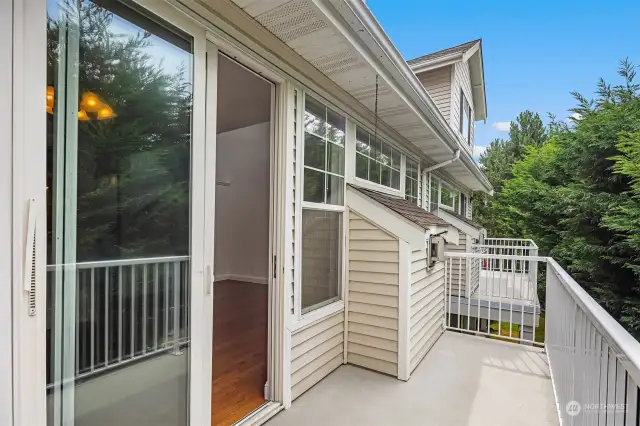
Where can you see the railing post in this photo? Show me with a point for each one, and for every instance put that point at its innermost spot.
(176, 309)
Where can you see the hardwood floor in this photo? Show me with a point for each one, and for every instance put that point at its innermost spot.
(239, 350)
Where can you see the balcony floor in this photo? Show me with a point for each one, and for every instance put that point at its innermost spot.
(463, 380)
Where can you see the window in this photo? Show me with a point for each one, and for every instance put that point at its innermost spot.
(411, 181)
(449, 197)
(323, 206)
(376, 160)
(465, 118)
(434, 194)
(463, 205)
(321, 258)
(324, 137)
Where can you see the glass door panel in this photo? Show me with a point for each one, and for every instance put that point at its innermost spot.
(119, 133)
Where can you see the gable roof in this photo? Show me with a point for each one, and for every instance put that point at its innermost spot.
(465, 220)
(404, 208)
(470, 52)
(451, 51)
(465, 225)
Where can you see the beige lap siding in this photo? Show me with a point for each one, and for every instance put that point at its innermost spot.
(373, 297)
(315, 352)
(458, 269)
(427, 309)
(438, 85)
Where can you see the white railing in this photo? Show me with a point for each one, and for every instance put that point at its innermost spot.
(126, 310)
(594, 362)
(505, 304)
(509, 247)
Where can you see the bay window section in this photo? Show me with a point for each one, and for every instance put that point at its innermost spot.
(411, 181)
(323, 206)
(377, 161)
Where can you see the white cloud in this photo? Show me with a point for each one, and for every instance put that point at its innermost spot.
(502, 126)
(477, 150)
(576, 116)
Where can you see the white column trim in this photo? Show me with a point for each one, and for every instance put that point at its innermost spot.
(404, 311)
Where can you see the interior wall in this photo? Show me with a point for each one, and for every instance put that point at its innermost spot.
(242, 204)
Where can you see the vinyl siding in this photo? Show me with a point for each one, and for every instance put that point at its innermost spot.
(461, 79)
(438, 85)
(315, 352)
(427, 309)
(457, 269)
(372, 329)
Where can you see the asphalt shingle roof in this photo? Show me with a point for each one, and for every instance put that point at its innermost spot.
(404, 208)
(464, 219)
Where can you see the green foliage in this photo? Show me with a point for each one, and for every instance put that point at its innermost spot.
(575, 189)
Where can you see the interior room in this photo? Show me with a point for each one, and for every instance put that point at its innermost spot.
(242, 225)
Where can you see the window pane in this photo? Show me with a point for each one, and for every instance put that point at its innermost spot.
(314, 116)
(375, 148)
(362, 166)
(335, 156)
(321, 258)
(335, 190)
(314, 184)
(362, 141)
(434, 195)
(335, 127)
(385, 176)
(395, 179)
(395, 159)
(374, 171)
(314, 151)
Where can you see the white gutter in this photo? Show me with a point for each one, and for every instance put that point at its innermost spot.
(455, 157)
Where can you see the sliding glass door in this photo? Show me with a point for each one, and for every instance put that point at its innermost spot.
(125, 176)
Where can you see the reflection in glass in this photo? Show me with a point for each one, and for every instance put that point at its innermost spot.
(321, 258)
(377, 161)
(119, 96)
(324, 152)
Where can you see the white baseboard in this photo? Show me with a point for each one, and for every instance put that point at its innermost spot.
(245, 278)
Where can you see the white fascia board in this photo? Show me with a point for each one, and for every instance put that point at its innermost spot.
(386, 219)
(429, 65)
(461, 225)
(355, 22)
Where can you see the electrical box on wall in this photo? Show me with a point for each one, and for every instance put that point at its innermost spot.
(436, 249)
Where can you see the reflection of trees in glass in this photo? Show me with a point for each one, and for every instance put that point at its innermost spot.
(133, 169)
(324, 152)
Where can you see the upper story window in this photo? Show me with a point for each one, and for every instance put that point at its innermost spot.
(449, 197)
(323, 206)
(324, 140)
(411, 181)
(465, 118)
(376, 160)
(434, 196)
(463, 205)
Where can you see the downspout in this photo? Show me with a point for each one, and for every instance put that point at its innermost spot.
(455, 157)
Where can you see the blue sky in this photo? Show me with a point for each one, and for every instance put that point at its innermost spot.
(535, 52)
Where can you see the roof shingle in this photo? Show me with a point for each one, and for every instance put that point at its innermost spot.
(404, 208)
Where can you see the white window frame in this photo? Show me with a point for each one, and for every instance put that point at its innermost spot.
(417, 180)
(367, 183)
(465, 107)
(334, 305)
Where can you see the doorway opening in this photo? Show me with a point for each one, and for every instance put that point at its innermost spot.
(242, 242)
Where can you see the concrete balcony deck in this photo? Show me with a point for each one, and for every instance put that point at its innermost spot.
(463, 381)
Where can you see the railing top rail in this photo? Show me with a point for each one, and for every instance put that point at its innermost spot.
(529, 241)
(120, 262)
(504, 247)
(626, 347)
(495, 256)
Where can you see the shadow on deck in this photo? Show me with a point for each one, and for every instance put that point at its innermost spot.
(464, 380)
